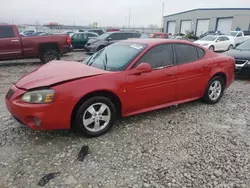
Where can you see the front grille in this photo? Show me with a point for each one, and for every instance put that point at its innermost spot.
(9, 94)
(240, 62)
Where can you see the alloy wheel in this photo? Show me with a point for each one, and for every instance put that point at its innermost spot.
(96, 117)
(215, 90)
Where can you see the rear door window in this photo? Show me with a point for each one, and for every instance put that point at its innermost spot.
(6, 32)
(185, 53)
(200, 52)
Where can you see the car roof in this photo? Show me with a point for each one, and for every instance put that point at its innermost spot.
(86, 32)
(121, 32)
(152, 42)
(159, 33)
(2, 24)
(95, 30)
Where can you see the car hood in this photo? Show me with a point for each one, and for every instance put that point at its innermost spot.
(202, 42)
(93, 40)
(239, 54)
(231, 37)
(56, 72)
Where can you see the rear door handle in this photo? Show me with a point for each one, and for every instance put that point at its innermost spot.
(169, 74)
(14, 40)
(204, 66)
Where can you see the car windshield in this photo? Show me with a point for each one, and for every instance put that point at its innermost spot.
(209, 38)
(232, 33)
(103, 36)
(244, 46)
(115, 57)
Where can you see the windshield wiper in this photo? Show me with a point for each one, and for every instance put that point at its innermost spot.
(105, 62)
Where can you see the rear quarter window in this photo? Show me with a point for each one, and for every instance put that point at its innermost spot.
(6, 32)
(201, 53)
(185, 53)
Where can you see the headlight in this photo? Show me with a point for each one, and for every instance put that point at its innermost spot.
(39, 96)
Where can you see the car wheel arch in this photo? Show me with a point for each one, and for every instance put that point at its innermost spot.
(100, 47)
(105, 93)
(221, 74)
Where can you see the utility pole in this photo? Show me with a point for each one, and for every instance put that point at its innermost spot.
(162, 19)
(129, 18)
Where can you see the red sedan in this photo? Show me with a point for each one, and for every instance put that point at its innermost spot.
(123, 79)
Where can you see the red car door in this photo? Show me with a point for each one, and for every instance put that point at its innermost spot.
(155, 88)
(193, 71)
(10, 46)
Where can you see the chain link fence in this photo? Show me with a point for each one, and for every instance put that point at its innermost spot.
(61, 29)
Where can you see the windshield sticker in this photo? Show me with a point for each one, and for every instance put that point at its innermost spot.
(136, 46)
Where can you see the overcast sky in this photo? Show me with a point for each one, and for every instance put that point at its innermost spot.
(105, 12)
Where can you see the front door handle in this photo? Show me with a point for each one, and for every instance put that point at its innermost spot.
(14, 40)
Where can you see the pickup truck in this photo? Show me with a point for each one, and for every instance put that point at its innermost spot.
(238, 36)
(46, 48)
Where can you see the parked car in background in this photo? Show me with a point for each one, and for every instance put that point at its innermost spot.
(79, 40)
(41, 34)
(46, 48)
(81, 30)
(237, 36)
(181, 38)
(68, 32)
(145, 36)
(160, 35)
(28, 32)
(98, 31)
(112, 30)
(108, 38)
(207, 33)
(242, 58)
(216, 42)
(247, 34)
(126, 78)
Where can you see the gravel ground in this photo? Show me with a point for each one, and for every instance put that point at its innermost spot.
(189, 145)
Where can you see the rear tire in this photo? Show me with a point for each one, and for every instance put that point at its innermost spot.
(49, 55)
(95, 116)
(214, 90)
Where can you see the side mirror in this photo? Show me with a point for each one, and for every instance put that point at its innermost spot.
(141, 68)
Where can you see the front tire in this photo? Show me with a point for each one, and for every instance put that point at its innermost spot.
(230, 47)
(214, 90)
(211, 48)
(95, 116)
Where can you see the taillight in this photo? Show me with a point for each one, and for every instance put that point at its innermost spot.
(68, 40)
